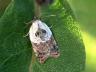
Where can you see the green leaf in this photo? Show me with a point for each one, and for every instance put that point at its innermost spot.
(3, 5)
(16, 51)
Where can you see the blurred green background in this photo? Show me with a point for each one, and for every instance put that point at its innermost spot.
(85, 12)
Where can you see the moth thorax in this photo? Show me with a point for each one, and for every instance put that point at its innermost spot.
(41, 33)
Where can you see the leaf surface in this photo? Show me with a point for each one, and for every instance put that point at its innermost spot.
(16, 51)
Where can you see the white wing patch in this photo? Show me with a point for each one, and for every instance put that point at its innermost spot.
(33, 29)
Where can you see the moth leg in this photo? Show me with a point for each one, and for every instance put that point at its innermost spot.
(26, 35)
(30, 22)
(51, 26)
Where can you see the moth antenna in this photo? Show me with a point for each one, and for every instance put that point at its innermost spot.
(51, 26)
(30, 22)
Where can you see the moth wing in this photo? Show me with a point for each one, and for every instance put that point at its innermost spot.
(54, 51)
(41, 51)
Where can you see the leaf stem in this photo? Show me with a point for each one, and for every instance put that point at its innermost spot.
(37, 10)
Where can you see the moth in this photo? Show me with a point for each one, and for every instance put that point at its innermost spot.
(41, 2)
(43, 42)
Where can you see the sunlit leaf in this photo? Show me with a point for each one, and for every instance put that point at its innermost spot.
(67, 34)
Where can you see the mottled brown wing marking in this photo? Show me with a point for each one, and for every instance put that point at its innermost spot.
(54, 51)
(41, 51)
(46, 49)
